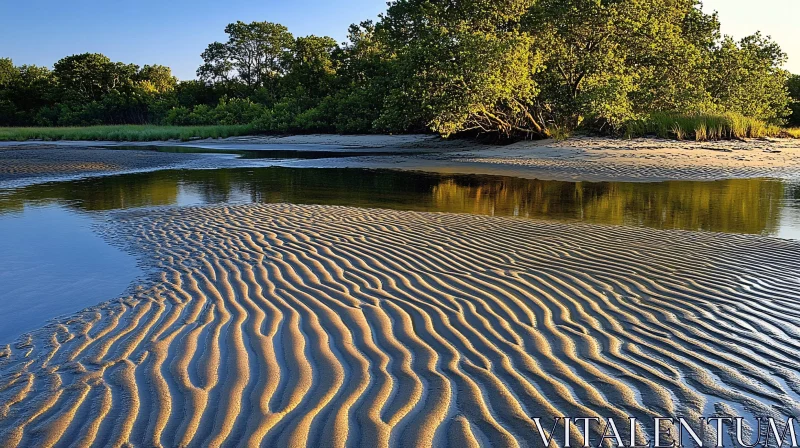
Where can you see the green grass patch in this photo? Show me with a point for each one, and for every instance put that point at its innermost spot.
(705, 127)
(131, 133)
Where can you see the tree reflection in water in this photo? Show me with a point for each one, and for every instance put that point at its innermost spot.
(750, 206)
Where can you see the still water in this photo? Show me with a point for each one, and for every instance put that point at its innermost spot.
(748, 206)
(53, 262)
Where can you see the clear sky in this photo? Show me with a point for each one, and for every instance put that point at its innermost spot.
(175, 32)
(776, 18)
(167, 32)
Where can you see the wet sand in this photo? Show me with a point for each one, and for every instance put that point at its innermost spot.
(597, 159)
(593, 158)
(31, 162)
(582, 158)
(285, 325)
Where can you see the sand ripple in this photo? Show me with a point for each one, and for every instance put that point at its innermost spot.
(280, 325)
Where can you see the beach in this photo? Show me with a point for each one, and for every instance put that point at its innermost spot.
(594, 159)
(49, 161)
(448, 224)
(315, 307)
(287, 325)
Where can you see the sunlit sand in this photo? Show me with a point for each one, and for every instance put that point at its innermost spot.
(286, 325)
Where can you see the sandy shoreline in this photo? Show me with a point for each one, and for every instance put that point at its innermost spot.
(29, 163)
(601, 159)
(291, 325)
(584, 159)
(323, 326)
(646, 159)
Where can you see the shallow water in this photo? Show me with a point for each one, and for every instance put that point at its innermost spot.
(55, 263)
(747, 206)
(497, 281)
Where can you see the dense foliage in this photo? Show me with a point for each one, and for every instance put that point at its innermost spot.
(508, 68)
(794, 105)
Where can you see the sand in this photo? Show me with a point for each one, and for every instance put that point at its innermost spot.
(593, 158)
(51, 162)
(283, 325)
(577, 159)
(597, 159)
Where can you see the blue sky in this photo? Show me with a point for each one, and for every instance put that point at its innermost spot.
(167, 32)
(175, 32)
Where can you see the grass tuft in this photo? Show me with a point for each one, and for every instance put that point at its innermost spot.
(792, 132)
(680, 134)
(131, 133)
(557, 133)
(704, 127)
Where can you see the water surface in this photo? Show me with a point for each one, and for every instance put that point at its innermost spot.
(747, 206)
(54, 263)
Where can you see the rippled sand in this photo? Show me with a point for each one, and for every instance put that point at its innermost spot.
(46, 161)
(286, 325)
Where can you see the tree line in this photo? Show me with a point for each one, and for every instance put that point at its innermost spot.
(508, 68)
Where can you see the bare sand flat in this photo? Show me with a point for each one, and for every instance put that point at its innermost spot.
(28, 162)
(580, 158)
(282, 325)
(646, 159)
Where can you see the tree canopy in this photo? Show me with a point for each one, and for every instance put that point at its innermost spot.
(507, 68)
(255, 55)
(794, 95)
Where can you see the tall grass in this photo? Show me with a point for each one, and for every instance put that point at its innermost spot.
(792, 132)
(558, 133)
(132, 133)
(704, 127)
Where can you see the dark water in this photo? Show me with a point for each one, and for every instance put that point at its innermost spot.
(748, 206)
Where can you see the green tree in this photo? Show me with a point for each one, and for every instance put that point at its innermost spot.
(8, 109)
(610, 61)
(24, 90)
(311, 68)
(156, 79)
(191, 93)
(793, 85)
(89, 76)
(363, 81)
(255, 55)
(217, 64)
(462, 66)
(7, 71)
(746, 78)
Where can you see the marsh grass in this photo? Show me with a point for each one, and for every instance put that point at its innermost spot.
(701, 132)
(792, 132)
(705, 127)
(680, 134)
(558, 133)
(132, 133)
